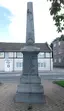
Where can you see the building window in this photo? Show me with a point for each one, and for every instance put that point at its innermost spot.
(60, 51)
(19, 64)
(58, 43)
(10, 54)
(6, 55)
(59, 59)
(19, 54)
(38, 64)
(1, 54)
(54, 60)
(41, 54)
(47, 54)
(42, 64)
(54, 44)
(54, 52)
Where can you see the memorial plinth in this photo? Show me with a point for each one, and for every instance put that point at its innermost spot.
(30, 89)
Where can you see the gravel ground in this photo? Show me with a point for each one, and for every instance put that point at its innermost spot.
(53, 93)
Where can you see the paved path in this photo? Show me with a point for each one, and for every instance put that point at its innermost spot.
(54, 98)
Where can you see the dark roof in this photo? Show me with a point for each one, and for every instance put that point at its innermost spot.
(44, 47)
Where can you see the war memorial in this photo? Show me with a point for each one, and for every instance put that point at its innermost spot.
(30, 89)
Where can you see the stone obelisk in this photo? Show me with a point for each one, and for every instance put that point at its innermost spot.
(30, 89)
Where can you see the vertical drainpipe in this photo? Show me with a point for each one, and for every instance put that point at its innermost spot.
(13, 61)
(50, 61)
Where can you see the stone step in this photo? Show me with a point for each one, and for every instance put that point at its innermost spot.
(30, 97)
(33, 88)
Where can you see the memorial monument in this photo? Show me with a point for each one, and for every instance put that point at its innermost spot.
(30, 89)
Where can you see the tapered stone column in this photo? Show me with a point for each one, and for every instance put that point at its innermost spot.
(30, 89)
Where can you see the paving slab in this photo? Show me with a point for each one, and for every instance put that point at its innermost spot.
(53, 93)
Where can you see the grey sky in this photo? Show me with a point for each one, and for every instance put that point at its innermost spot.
(45, 31)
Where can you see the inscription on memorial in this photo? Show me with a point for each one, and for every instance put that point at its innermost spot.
(32, 65)
(29, 12)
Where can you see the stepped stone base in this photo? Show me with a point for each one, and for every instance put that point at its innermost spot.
(30, 90)
(30, 97)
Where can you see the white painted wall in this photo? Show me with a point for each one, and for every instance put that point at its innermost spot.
(1, 54)
(8, 65)
(45, 66)
(45, 63)
(15, 64)
(2, 65)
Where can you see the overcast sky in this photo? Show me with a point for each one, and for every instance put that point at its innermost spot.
(45, 31)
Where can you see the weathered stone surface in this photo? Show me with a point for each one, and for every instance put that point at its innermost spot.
(30, 89)
(30, 49)
(30, 39)
(30, 79)
(30, 97)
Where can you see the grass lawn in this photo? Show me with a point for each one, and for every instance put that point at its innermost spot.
(60, 83)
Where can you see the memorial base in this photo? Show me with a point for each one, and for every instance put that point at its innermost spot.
(30, 97)
(30, 90)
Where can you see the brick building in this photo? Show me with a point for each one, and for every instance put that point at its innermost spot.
(58, 53)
